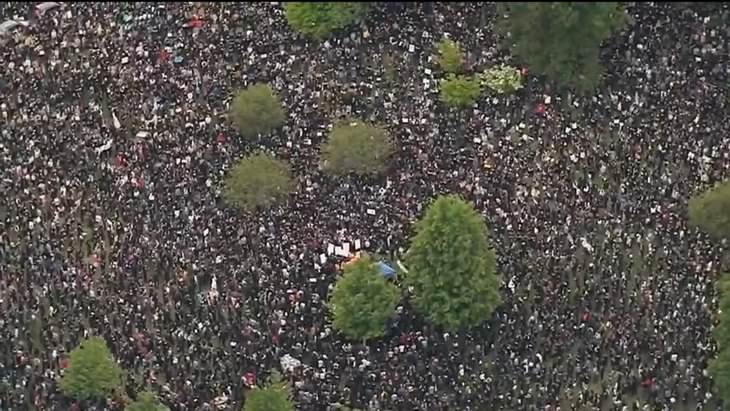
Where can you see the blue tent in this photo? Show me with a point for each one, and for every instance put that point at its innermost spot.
(385, 270)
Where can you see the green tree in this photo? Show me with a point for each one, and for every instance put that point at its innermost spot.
(561, 40)
(451, 268)
(719, 367)
(710, 210)
(256, 110)
(450, 58)
(356, 147)
(319, 19)
(721, 332)
(258, 180)
(502, 79)
(146, 401)
(459, 91)
(275, 396)
(92, 372)
(362, 300)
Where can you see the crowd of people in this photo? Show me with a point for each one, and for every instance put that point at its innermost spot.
(114, 142)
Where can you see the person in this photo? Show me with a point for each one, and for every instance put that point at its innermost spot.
(578, 328)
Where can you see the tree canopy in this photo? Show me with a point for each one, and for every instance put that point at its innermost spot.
(320, 19)
(451, 268)
(256, 110)
(459, 91)
(258, 180)
(561, 40)
(274, 396)
(719, 367)
(502, 79)
(91, 372)
(450, 58)
(362, 300)
(356, 147)
(710, 210)
(146, 401)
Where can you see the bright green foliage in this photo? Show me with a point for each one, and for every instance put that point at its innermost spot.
(146, 401)
(562, 40)
(319, 19)
(275, 396)
(256, 110)
(502, 79)
(258, 180)
(362, 300)
(356, 147)
(451, 267)
(450, 58)
(719, 367)
(459, 91)
(710, 210)
(91, 372)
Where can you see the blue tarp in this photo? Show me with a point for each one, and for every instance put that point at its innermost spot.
(385, 270)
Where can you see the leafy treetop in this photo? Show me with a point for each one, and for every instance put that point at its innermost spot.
(258, 180)
(561, 39)
(362, 300)
(451, 267)
(319, 19)
(719, 367)
(256, 110)
(274, 396)
(450, 58)
(710, 210)
(459, 91)
(357, 147)
(91, 372)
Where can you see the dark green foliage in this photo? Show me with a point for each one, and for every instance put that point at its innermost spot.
(561, 40)
(451, 267)
(459, 91)
(710, 210)
(256, 110)
(362, 300)
(275, 396)
(146, 401)
(258, 180)
(319, 19)
(721, 332)
(92, 372)
(450, 58)
(719, 367)
(356, 147)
